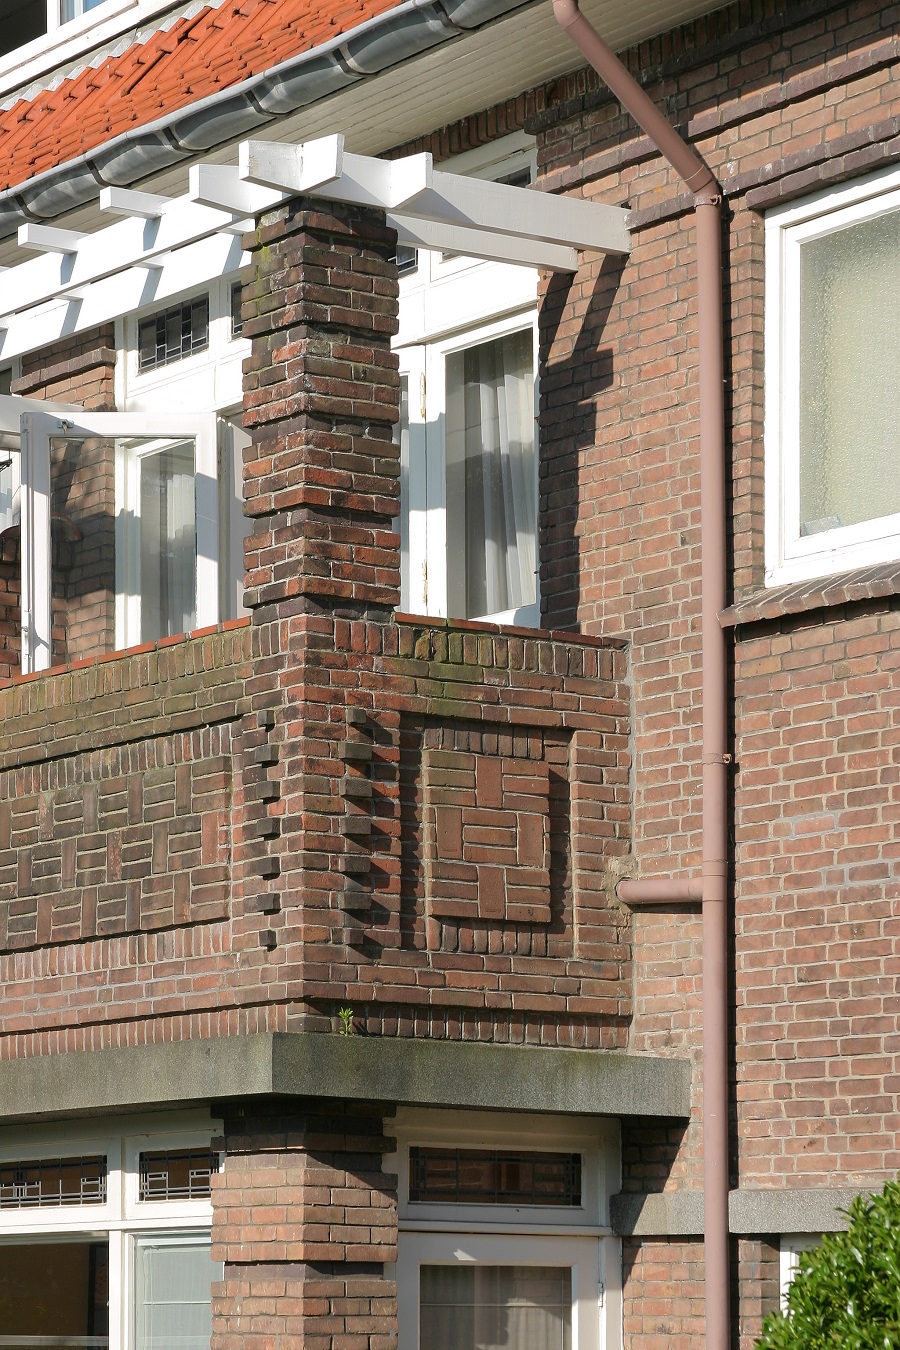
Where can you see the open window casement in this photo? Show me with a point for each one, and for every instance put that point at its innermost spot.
(119, 528)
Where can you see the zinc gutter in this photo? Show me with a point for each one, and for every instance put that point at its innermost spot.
(401, 33)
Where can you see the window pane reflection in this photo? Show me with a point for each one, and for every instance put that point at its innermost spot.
(54, 1293)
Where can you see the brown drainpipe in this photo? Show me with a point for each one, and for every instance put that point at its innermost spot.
(707, 213)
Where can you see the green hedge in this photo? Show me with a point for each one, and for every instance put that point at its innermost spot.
(846, 1292)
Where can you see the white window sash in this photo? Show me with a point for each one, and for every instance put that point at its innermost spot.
(594, 1263)
(789, 556)
(38, 430)
(436, 500)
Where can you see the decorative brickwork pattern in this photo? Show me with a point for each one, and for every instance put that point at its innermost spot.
(487, 837)
(85, 853)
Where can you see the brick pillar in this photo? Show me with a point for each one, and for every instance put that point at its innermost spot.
(305, 1221)
(321, 487)
(321, 399)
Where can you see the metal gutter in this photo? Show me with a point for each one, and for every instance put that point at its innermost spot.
(407, 30)
(713, 888)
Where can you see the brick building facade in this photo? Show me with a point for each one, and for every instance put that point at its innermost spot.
(324, 1024)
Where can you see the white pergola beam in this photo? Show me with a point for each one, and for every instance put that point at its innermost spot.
(477, 204)
(485, 244)
(198, 263)
(49, 239)
(126, 202)
(413, 187)
(92, 257)
(220, 185)
(293, 169)
(163, 246)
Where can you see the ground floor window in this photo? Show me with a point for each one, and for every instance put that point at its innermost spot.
(504, 1239)
(106, 1242)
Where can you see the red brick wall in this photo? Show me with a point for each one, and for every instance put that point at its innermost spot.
(779, 99)
(305, 1220)
(232, 831)
(663, 1306)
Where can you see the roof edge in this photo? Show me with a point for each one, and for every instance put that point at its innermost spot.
(400, 34)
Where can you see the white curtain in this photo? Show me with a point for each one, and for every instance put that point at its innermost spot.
(491, 498)
(495, 1307)
(168, 542)
(850, 375)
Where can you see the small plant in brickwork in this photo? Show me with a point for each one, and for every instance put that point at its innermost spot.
(345, 1022)
(846, 1293)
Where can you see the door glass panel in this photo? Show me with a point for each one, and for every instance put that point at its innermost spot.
(491, 516)
(495, 1308)
(54, 1293)
(82, 547)
(173, 1288)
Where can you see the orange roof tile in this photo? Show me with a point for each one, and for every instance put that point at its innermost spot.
(194, 58)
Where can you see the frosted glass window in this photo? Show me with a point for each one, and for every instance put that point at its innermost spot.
(168, 542)
(495, 1308)
(850, 375)
(491, 497)
(173, 1284)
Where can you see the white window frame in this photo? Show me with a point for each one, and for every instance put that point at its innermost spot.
(790, 557)
(206, 505)
(446, 305)
(38, 430)
(219, 443)
(426, 469)
(579, 1237)
(67, 39)
(207, 381)
(123, 1219)
(790, 1247)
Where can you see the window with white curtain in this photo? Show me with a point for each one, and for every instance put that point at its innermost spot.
(833, 381)
(504, 1239)
(467, 347)
(89, 1259)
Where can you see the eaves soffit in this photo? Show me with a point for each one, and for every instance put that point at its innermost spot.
(268, 69)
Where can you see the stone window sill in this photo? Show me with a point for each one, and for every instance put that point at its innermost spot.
(801, 597)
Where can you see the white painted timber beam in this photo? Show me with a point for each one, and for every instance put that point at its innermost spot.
(126, 202)
(88, 258)
(484, 244)
(414, 188)
(49, 239)
(477, 204)
(203, 261)
(220, 185)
